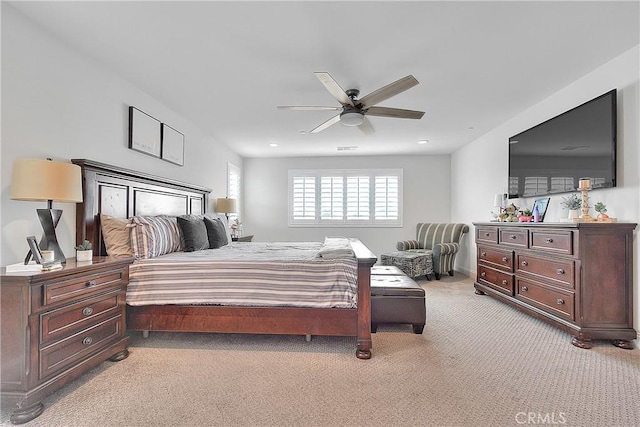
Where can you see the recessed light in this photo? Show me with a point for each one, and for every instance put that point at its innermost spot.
(423, 141)
(273, 144)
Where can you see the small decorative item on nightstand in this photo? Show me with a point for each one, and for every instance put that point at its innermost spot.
(242, 238)
(84, 251)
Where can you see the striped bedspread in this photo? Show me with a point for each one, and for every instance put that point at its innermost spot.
(292, 274)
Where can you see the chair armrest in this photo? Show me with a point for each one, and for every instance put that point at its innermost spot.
(407, 244)
(445, 249)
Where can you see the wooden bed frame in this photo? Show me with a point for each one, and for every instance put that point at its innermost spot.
(124, 193)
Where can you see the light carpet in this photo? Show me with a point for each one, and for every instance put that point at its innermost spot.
(479, 362)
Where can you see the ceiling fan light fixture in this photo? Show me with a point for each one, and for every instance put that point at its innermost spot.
(351, 118)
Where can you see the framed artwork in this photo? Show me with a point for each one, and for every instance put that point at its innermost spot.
(144, 133)
(542, 205)
(172, 145)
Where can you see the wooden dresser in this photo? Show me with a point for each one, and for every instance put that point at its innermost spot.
(56, 325)
(576, 276)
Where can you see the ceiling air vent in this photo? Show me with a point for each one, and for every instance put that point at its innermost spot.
(348, 148)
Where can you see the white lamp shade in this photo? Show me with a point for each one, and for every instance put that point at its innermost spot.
(226, 205)
(37, 179)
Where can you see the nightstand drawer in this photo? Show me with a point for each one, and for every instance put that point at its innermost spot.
(80, 285)
(60, 323)
(69, 351)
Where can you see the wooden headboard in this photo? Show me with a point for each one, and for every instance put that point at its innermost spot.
(123, 193)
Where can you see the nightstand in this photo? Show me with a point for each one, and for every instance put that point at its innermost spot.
(242, 238)
(57, 325)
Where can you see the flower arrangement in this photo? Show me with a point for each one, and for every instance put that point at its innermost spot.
(572, 202)
(236, 226)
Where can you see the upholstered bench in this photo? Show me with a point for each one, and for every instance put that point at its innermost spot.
(413, 264)
(397, 299)
(386, 270)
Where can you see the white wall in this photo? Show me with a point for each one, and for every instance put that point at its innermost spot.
(60, 104)
(480, 169)
(426, 197)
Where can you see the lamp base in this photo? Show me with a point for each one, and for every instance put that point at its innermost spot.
(49, 219)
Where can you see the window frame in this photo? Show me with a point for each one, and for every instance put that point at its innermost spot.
(346, 175)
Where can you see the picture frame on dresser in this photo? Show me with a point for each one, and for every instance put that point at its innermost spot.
(542, 205)
(172, 145)
(144, 133)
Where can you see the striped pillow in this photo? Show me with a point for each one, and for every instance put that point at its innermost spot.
(152, 236)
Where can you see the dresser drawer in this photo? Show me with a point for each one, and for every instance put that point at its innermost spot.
(552, 300)
(65, 321)
(79, 286)
(71, 350)
(552, 241)
(498, 280)
(496, 258)
(509, 236)
(487, 235)
(560, 272)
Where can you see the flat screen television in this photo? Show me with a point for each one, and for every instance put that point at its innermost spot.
(552, 157)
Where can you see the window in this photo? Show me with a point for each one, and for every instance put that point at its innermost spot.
(345, 197)
(234, 189)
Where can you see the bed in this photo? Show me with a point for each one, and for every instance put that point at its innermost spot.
(124, 193)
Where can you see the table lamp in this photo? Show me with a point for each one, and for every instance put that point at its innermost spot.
(37, 179)
(226, 206)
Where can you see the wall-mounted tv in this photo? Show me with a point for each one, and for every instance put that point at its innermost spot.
(551, 157)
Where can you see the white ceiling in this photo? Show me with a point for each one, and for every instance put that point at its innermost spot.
(225, 66)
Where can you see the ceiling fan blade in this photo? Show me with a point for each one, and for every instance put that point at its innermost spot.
(394, 112)
(334, 88)
(307, 107)
(366, 126)
(323, 126)
(389, 90)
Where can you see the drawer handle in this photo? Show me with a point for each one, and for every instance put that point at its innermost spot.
(560, 301)
(525, 263)
(486, 234)
(87, 341)
(91, 283)
(483, 254)
(505, 259)
(513, 237)
(524, 289)
(560, 271)
(483, 274)
(549, 240)
(87, 311)
(504, 283)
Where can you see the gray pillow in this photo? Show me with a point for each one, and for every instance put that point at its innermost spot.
(216, 233)
(194, 233)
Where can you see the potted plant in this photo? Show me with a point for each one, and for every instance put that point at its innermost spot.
(84, 251)
(601, 208)
(573, 202)
(525, 215)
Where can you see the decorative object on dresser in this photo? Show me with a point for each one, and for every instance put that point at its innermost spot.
(56, 326)
(577, 276)
(47, 180)
(541, 205)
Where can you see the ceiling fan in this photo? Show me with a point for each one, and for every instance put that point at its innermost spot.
(355, 111)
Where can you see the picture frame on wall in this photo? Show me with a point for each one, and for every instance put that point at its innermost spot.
(144, 133)
(172, 145)
(542, 205)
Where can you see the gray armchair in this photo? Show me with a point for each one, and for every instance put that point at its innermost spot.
(443, 239)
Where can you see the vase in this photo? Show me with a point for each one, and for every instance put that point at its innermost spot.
(84, 255)
(574, 213)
